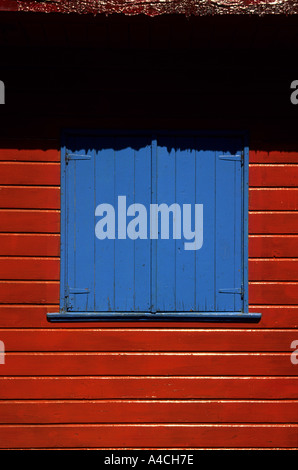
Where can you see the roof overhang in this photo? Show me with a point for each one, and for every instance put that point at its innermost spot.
(154, 7)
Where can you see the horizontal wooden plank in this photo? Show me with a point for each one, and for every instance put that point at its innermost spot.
(146, 435)
(119, 363)
(153, 411)
(16, 268)
(47, 292)
(271, 269)
(34, 292)
(273, 222)
(34, 316)
(36, 173)
(21, 173)
(48, 221)
(17, 152)
(261, 156)
(273, 293)
(273, 199)
(272, 246)
(276, 316)
(32, 221)
(15, 244)
(273, 175)
(91, 388)
(29, 197)
(25, 292)
(45, 197)
(152, 339)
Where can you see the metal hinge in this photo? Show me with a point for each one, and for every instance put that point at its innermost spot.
(77, 290)
(74, 156)
(233, 158)
(233, 290)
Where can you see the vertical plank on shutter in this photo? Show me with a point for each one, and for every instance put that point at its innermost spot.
(238, 230)
(166, 249)
(153, 283)
(225, 188)
(84, 228)
(185, 194)
(124, 248)
(70, 247)
(205, 194)
(228, 222)
(104, 249)
(142, 247)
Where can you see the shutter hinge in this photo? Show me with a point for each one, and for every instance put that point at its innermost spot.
(73, 156)
(233, 290)
(76, 290)
(233, 158)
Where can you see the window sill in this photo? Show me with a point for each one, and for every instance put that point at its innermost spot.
(143, 316)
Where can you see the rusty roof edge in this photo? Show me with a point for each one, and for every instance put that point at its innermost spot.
(155, 7)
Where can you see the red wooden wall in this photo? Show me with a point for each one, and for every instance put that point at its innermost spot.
(149, 385)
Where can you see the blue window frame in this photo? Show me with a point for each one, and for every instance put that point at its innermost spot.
(126, 257)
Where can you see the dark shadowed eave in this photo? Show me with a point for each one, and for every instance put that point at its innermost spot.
(155, 7)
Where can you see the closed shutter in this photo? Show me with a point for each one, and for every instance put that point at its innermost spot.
(153, 274)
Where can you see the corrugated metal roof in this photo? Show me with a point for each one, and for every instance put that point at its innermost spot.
(155, 7)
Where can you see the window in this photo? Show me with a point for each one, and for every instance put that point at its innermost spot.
(154, 226)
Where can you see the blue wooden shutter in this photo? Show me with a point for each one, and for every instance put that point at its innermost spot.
(153, 275)
(209, 172)
(106, 275)
(79, 242)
